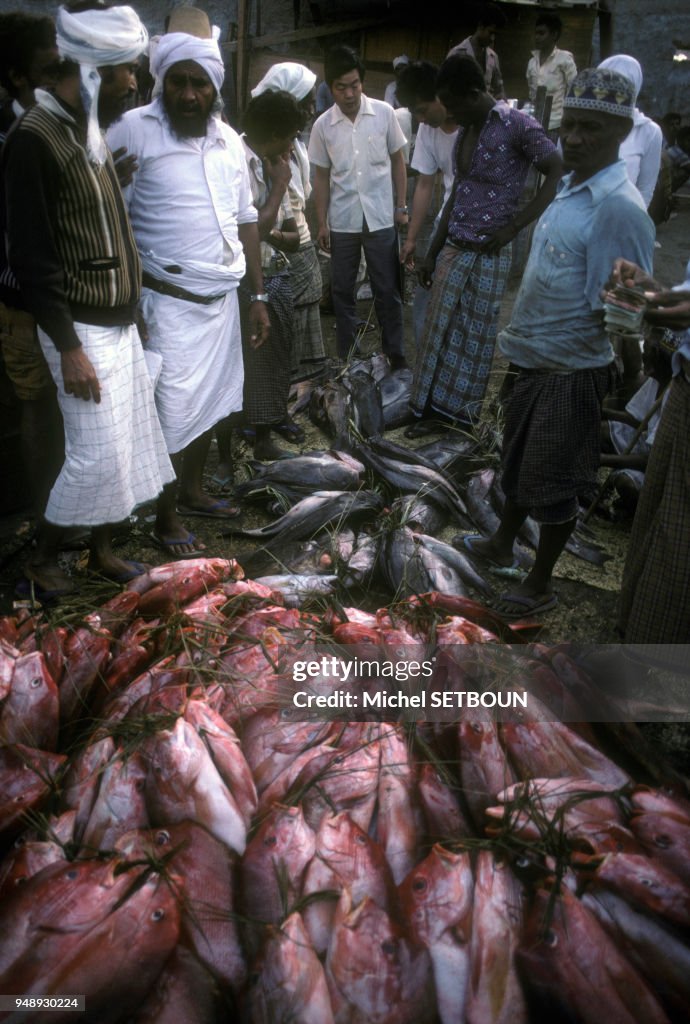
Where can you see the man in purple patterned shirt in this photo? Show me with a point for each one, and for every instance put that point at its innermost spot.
(469, 256)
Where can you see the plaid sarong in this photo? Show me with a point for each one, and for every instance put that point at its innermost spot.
(551, 441)
(655, 596)
(267, 369)
(457, 349)
(308, 352)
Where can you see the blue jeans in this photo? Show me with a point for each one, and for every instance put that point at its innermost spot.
(383, 264)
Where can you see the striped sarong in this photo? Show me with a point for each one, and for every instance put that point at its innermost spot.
(308, 352)
(457, 349)
(655, 596)
(267, 369)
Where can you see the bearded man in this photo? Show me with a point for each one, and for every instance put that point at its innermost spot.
(195, 225)
(73, 255)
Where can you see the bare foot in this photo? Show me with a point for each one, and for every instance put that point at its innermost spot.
(49, 577)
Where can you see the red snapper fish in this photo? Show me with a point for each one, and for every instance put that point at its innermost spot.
(375, 975)
(345, 858)
(30, 713)
(576, 971)
(272, 869)
(495, 994)
(288, 983)
(183, 784)
(436, 903)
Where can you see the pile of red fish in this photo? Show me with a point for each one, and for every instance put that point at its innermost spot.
(182, 846)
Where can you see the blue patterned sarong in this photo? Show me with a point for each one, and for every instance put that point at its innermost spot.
(457, 347)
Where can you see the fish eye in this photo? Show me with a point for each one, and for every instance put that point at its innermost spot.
(36, 681)
(362, 840)
(663, 841)
(158, 914)
(72, 874)
(162, 838)
(419, 885)
(270, 841)
(551, 938)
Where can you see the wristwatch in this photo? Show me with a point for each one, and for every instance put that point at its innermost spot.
(259, 298)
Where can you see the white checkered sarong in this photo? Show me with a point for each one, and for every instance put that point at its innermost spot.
(115, 454)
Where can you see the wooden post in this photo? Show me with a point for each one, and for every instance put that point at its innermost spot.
(241, 68)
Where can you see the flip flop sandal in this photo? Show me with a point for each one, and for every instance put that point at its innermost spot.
(525, 607)
(509, 572)
(170, 546)
(218, 510)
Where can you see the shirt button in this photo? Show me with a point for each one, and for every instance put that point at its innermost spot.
(550, 248)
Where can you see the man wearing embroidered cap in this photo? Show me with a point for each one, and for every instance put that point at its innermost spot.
(195, 225)
(556, 340)
(73, 254)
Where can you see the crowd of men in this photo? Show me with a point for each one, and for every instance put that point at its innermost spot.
(160, 282)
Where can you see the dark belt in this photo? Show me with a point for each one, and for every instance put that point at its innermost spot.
(176, 292)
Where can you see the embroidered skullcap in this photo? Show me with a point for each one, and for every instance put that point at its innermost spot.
(287, 76)
(103, 36)
(627, 66)
(399, 62)
(190, 37)
(601, 89)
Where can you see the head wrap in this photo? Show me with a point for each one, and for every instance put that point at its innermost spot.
(601, 89)
(94, 39)
(178, 46)
(628, 66)
(400, 61)
(288, 76)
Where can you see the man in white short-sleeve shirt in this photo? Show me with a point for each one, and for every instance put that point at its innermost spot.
(433, 152)
(356, 150)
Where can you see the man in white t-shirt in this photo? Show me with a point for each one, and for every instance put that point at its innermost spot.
(356, 150)
(433, 152)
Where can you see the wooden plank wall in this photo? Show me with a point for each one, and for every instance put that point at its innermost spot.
(380, 44)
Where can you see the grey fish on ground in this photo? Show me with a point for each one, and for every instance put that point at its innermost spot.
(366, 403)
(330, 409)
(297, 589)
(401, 563)
(457, 561)
(311, 556)
(395, 391)
(413, 479)
(313, 513)
(418, 513)
(321, 471)
(360, 566)
(448, 449)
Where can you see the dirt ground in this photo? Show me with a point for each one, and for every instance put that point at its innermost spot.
(588, 594)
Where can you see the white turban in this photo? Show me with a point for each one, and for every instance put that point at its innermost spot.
(288, 76)
(627, 66)
(98, 38)
(178, 46)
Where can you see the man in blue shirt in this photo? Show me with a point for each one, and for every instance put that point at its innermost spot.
(557, 341)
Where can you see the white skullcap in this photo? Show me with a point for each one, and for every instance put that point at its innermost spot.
(289, 77)
(398, 62)
(627, 66)
(98, 38)
(178, 46)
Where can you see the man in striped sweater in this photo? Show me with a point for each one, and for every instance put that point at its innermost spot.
(73, 254)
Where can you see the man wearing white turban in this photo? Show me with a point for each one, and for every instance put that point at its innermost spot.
(73, 254)
(196, 230)
(308, 352)
(641, 150)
